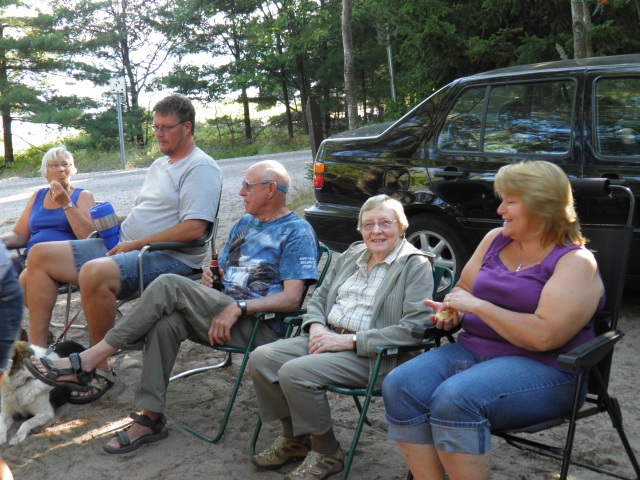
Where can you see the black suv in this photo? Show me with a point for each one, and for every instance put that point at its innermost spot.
(439, 160)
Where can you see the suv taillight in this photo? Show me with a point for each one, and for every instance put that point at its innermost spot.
(318, 174)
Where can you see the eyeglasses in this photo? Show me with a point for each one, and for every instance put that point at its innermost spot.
(384, 224)
(164, 129)
(64, 165)
(247, 185)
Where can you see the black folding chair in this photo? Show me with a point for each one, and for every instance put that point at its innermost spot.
(611, 244)
(227, 361)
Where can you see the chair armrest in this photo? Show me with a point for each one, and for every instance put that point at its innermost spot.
(393, 350)
(590, 353)
(284, 316)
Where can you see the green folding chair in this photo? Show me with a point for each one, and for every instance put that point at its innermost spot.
(229, 351)
(371, 390)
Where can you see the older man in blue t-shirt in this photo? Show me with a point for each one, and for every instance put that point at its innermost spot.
(270, 255)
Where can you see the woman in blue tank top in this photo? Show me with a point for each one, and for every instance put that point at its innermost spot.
(56, 212)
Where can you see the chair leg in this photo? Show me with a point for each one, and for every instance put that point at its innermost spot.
(227, 413)
(226, 361)
(356, 435)
(254, 438)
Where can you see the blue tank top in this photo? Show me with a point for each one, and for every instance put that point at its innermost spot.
(49, 225)
(518, 292)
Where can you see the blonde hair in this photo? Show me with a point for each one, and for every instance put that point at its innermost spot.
(57, 154)
(546, 193)
(385, 201)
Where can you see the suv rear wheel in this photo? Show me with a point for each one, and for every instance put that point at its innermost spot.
(431, 234)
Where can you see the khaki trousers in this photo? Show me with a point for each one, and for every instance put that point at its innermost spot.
(171, 310)
(290, 382)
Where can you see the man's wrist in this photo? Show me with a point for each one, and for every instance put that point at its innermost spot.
(242, 305)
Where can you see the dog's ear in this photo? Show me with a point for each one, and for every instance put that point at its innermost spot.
(21, 350)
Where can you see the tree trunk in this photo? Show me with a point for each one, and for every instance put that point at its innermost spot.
(579, 29)
(6, 135)
(285, 91)
(247, 115)
(5, 109)
(349, 65)
(302, 87)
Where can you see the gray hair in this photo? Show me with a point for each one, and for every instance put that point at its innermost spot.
(386, 201)
(57, 154)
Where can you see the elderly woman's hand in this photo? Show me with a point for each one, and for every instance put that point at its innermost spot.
(322, 340)
(59, 194)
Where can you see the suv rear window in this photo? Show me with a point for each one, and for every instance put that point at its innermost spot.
(518, 118)
(618, 116)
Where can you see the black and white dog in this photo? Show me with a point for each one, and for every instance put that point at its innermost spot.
(23, 396)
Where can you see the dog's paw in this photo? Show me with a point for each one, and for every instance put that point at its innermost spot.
(17, 438)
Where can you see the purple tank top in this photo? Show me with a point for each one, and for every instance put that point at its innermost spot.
(519, 292)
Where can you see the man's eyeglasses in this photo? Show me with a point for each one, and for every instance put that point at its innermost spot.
(164, 129)
(384, 224)
(63, 165)
(247, 185)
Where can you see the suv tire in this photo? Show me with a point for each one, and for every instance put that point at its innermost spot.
(434, 235)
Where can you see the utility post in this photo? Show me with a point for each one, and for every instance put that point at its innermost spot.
(117, 86)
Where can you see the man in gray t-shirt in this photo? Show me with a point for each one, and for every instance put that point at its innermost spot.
(178, 200)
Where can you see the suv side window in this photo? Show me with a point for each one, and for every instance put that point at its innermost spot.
(462, 128)
(520, 118)
(618, 116)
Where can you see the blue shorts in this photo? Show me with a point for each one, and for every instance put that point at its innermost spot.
(154, 264)
(10, 316)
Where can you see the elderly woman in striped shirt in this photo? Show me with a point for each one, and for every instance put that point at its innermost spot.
(373, 296)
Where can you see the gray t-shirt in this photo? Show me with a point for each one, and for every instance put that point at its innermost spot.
(172, 193)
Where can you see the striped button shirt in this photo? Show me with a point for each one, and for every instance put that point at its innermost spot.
(354, 303)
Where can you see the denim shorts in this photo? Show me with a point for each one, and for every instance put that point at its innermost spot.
(451, 398)
(10, 315)
(154, 264)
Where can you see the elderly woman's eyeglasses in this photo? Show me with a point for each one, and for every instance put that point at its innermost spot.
(63, 165)
(384, 224)
(247, 185)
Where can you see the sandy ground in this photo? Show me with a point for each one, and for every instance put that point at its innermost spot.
(71, 446)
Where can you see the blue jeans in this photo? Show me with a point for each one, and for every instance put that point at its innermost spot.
(451, 398)
(10, 316)
(154, 264)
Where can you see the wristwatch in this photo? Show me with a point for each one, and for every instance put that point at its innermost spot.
(242, 305)
(69, 205)
(355, 343)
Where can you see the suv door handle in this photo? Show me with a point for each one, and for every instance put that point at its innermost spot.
(450, 174)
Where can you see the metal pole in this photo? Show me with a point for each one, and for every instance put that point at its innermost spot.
(121, 131)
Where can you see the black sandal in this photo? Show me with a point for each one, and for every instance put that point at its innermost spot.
(126, 445)
(84, 378)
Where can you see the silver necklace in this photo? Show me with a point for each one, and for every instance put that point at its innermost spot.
(522, 264)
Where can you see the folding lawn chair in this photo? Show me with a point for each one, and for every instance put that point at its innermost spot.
(227, 360)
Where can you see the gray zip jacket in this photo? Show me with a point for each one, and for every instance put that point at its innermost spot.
(397, 306)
